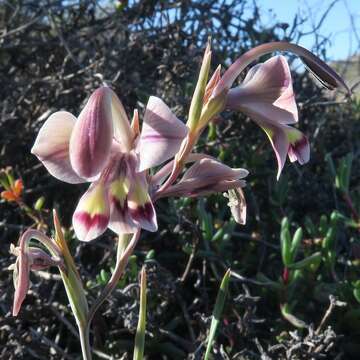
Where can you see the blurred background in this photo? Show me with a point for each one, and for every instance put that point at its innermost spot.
(53, 54)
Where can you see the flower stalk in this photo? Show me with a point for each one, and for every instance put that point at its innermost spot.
(74, 290)
(140, 331)
(126, 246)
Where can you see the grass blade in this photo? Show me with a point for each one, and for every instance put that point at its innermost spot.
(140, 331)
(219, 305)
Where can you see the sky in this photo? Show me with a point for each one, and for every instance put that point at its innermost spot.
(342, 18)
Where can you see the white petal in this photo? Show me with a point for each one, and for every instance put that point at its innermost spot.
(161, 136)
(52, 146)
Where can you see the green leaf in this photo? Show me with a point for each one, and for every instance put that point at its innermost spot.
(150, 255)
(219, 306)
(140, 331)
(133, 267)
(39, 203)
(218, 235)
(323, 226)
(10, 177)
(205, 221)
(273, 284)
(343, 174)
(285, 242)
(296, 241)
(71, 279)
(308, 261)
(328, 241)
(335, 217)
(211, 136)
(310, 227)
(104, 276)
(356, 293)
(4, 180)
(285, 311)
(285, 223)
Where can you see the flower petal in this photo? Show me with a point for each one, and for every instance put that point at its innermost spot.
(189, 189)
(279, 142)
(92, 213)
(40, 260)
(207, 176)
(18, 187)
(328, 77)
(159, 177)
(119, 188)
(140, 205)
(52, 146)
(237, 204)
(215, 78)
(161, 136)
(299, 149)
(267, 93)
(211, 170)
(120, 218)
(8, 195)
(135, 124)
(122, 130)
(21, 280)
(92, 135)
(287, 140)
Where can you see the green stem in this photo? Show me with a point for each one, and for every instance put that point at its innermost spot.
(85, 342)
(74, 290)
(125, 249)
(140, 331)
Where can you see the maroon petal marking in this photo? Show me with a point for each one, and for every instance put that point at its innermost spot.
(140, 205)
(300, 151)
(144, 215)
(91, 221)
(92, 213)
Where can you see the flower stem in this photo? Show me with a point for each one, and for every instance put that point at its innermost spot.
(125, 249)
(179, 162)
(85, 342)
(74, 290)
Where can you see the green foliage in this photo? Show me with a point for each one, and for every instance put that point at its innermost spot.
(140, 331)
(218, 309)
(39, 204)
(342, 173)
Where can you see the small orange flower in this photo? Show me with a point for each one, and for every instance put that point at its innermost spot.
(13, 193)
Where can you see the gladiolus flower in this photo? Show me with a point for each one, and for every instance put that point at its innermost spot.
(100, 146)
(266, 96)
(207, 176)
(119, 197)
(31, 258)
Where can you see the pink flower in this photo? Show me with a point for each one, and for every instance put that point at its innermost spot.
(101, 147)
(31, 258)
(266, 96)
